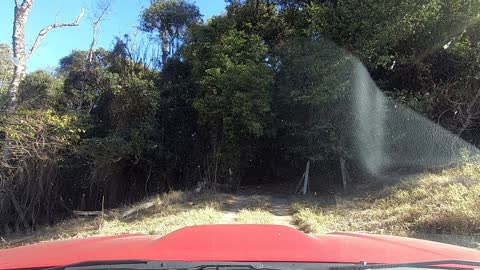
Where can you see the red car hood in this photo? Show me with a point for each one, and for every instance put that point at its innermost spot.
(262, 243)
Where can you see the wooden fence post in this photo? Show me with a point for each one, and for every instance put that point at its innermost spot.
(343, 168)
(305, 183)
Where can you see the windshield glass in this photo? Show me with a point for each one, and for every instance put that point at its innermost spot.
(147, 116)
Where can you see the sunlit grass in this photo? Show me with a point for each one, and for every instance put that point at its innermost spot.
(161, 224)
(167, 212)
(254, 216)
(444, 203)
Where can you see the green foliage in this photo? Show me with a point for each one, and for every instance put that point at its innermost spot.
(39, 90)
(380, 32)
(134, 102)
(122, 102)
(6, 72)
(27, 126)
(170, 15)
(235, 84)
(259, 17)
(420, 52)
(38, 142)
(84, 81)
(176, 117)
(170, 20)
(312, 105)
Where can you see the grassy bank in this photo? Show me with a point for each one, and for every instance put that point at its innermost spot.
(158, 215)
(442, 203)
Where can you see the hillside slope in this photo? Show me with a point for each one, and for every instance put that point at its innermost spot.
(442, 206)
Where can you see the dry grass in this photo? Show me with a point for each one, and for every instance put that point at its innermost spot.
(164, 214)
(167, 214)
(254, 216)
(161, 224)
(443, 203)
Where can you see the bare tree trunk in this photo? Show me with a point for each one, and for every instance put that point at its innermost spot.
(94, 41)
(102, 9)
(21, 13)
(165, 46)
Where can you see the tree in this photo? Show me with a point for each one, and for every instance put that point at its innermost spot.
(312, 100)
(235, 84)
(84, 80)
(20, 55)
(169, 19)
(380, 32)
(39, 90)
(258, 17)
(180, 136)
(102, 9)
(421, 53)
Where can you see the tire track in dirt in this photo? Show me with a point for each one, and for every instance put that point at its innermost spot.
(233, 207)
(281, 209)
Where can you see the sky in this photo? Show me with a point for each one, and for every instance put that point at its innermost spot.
(122, 19)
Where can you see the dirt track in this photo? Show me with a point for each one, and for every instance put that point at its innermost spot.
(276, 205)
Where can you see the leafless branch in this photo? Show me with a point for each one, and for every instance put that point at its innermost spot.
(41, 35)
(88, 213)
(102, 9)
(24, 4)
(470, 116)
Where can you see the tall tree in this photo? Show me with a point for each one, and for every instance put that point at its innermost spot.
(311, 102)
(258, 17)
(20, 54)
(100, 12)
(235, 82)
(169, 19)
(102, 8)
